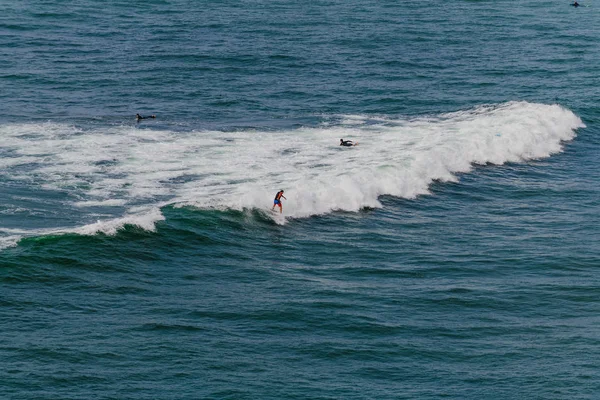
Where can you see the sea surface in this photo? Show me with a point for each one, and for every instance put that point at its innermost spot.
(454, 253)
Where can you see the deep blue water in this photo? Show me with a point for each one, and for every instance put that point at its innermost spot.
(453, 253)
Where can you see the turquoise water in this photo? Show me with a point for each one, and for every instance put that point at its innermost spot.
(452, 254)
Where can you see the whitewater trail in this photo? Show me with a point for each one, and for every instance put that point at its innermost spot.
(121, 175)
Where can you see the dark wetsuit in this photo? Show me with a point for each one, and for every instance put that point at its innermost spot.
(346, 143)
(138, 117)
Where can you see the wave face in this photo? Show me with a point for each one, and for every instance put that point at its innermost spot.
(98, 180)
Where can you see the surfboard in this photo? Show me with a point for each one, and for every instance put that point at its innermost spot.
(278, 218)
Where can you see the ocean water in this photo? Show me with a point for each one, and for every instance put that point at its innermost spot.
(453, 253)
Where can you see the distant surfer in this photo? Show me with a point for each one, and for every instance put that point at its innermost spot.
(139, 117)
(277, 201)
(576, 4)
(347, 143)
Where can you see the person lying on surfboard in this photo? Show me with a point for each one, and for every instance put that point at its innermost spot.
(347, 143)
(138, 117)
(277, 201)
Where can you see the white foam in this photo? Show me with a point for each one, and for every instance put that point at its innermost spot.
(145, 221)
(101, 203)
(138, 171)
(9, 241)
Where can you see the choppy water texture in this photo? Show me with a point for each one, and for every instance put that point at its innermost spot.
(452, 254)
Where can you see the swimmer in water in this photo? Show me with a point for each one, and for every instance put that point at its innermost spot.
(346, 142)
(139, 117)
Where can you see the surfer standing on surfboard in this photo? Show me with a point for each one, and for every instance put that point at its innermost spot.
(277, 201)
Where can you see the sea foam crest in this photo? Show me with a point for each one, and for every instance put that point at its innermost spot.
(396, 157)
(125, 175)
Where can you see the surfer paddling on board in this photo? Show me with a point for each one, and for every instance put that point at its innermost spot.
(576, 4)
(347, 143)
(277, 201)
(138, 117)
